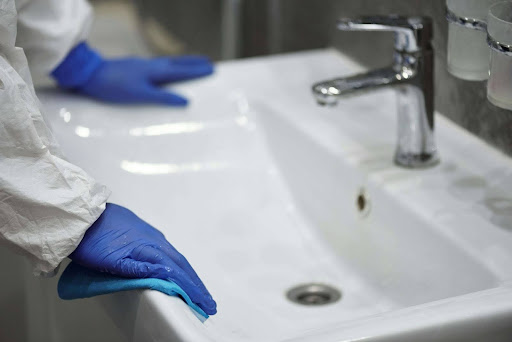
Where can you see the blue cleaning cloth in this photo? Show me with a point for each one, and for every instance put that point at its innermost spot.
(80, 282)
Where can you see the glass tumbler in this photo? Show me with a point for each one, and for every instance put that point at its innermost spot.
(499, 87)
(468, 53)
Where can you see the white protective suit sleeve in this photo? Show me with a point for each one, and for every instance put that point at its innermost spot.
(46, 203)
(49, 29)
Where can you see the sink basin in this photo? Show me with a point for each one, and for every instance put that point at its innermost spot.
(262, 190)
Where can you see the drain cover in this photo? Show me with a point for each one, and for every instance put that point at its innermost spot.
(313, 294)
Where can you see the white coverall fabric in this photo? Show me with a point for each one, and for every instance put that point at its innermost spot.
(46, 203)
(49, 29)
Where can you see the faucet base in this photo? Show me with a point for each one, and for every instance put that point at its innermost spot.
(417, 161)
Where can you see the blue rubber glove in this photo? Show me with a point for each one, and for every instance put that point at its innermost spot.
(128, 80)
(122, 244)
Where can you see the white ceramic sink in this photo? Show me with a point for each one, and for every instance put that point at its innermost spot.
(258, 187)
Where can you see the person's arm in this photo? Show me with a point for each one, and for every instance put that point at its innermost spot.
(53, 35)
(49, 29)
(46, 203)
(50, 208)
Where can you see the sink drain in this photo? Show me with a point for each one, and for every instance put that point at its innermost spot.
(313, 294)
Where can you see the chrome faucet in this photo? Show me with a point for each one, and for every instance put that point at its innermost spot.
(412, 76)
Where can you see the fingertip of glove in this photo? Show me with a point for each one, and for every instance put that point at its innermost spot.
(195, 71)
(178, 102)
(167, 98)
(211, 312)
(210, 307)
(209, 69)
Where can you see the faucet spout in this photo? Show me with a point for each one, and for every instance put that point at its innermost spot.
(329, 92)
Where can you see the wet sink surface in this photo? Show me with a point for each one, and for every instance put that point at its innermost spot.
(262, 191)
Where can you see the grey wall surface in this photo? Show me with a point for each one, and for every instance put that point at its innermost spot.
(190, 26)
(463, 102)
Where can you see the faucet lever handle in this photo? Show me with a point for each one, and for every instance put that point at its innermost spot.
(412, 34)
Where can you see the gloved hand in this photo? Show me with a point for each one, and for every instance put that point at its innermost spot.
(128, 80)
(122, 244)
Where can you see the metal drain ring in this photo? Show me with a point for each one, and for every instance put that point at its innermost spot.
(313, 294)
